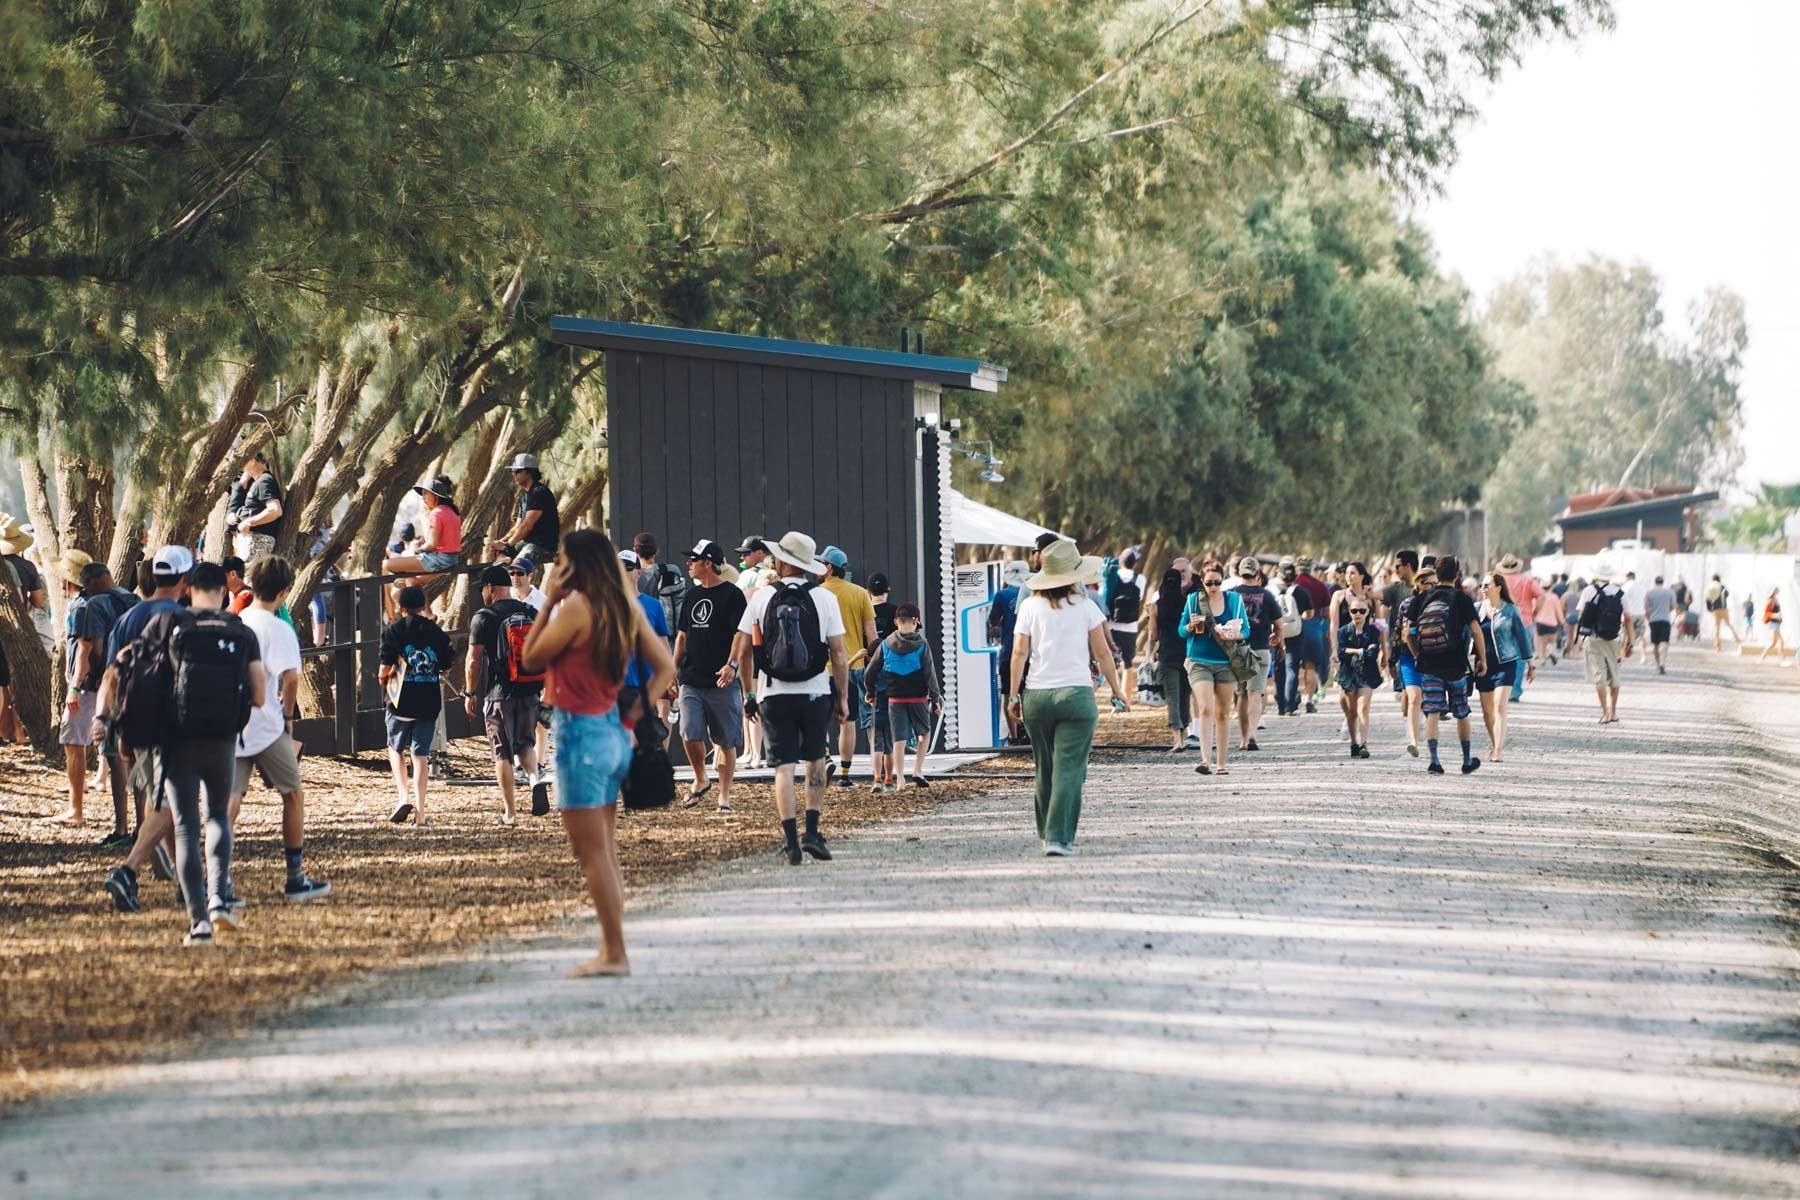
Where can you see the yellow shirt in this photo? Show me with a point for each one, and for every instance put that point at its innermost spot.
(858, 610)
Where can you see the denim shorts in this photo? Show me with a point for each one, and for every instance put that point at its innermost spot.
(410, 737)
(1314, 647)
(437, 560)
(593, 756)
(1500, 677)
(879, 733)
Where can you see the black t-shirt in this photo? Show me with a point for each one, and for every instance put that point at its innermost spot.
(884, 621)
(1261, 611)
(709, 618)
(485, 630)
(1171, 644)
(546, 531)
(26, 573)
(421, 649)
(1452, 664)
(262, 490)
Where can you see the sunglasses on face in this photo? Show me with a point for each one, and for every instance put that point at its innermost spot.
(1213, 582)
(1359, 612)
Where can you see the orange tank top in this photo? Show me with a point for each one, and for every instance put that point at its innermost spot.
(574, 684)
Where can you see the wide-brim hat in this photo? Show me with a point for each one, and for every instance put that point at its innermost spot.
(71, 563)
(1509, 565)
(1603, 571)
(797, 550)
(14, 538)
(1063, 567)
(439, 487)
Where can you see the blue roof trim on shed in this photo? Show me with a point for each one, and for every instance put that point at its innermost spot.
(702, 343)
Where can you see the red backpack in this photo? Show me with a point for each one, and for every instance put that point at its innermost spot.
(515, 627)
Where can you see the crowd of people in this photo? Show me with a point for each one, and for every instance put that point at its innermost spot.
(584, 659)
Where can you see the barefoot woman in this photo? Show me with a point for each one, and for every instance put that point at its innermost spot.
(584, 637)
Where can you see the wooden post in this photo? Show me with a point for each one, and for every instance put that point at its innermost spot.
(343, 665)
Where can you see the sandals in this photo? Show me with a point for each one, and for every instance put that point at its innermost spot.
(694, 797)
(1203, 769)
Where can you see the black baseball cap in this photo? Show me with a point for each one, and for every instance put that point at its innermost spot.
(709, 550)
(495, 576)
(878, 584)
(752, 544)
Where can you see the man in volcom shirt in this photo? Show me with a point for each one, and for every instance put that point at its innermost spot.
(711, 701)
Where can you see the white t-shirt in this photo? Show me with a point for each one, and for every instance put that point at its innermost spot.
(1059, 641)
(1635, 591)
(536, 599)
(831, 624)
(280, 654)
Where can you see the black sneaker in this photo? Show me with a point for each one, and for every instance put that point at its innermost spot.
(1472, 766)
(116, 841)
(121, 885)
(1353, 750)
(304, 888)
(1312, 706)
(843, 780)
(162, 864)
(1435, 769)
(540, 797)
(813, 844)
(792, 852)
(1253, 745)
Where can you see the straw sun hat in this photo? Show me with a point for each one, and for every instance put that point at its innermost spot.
(1064, 566)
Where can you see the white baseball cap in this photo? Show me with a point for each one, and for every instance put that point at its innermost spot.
(172, 560)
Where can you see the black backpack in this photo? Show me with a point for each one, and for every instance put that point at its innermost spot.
(1605, 614)
(793, 650)
(187, 675)
(1436, 618)
(1127, 601)
(650, 780)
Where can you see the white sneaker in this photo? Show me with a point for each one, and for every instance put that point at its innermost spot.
(1058, 850)
(199, 935)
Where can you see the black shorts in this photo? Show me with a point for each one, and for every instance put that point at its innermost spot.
(5, 669)
(1659, 632)
(794, 727)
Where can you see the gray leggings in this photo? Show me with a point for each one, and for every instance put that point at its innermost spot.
(197, 776)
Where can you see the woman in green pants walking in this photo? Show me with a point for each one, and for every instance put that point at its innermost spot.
(1060, 636)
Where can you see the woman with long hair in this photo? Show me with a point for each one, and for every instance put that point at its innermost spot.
(1212, 618)
(1169, 648)
(583, 639)
(1357, 585)
(1510, 649)
(440, 547)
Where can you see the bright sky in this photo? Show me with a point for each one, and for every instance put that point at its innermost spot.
(1671, 141)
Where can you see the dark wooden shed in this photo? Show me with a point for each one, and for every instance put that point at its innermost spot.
(718, 435)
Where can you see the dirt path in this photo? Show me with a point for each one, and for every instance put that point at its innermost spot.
(1574, 974)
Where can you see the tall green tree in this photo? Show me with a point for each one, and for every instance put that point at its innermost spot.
(1621, 398)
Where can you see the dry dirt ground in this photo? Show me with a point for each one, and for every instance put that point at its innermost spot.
(85, 986)
(1575, 973)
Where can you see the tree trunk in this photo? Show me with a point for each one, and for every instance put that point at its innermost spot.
(32, 683)
(181, 515)
(84, 503)
(586, 505)
(335, 406)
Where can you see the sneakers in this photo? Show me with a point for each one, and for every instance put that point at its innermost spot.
(843, 779)
(162, 863)
(540, 797)
(1253, 745)
(121, 885)
(1058, 849)
(1435, 769)
(1312, 706)
(116, 841)
(304, 888)
(919, 781)
(200, 935)
(792, 853)
(1472, 766)
(813, 844)
(220, 916)
(1362, 751)
(1193, 741)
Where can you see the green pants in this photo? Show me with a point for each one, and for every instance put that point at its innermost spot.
(1061, 724)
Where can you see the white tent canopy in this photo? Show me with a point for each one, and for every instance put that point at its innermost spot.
(973, 523)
